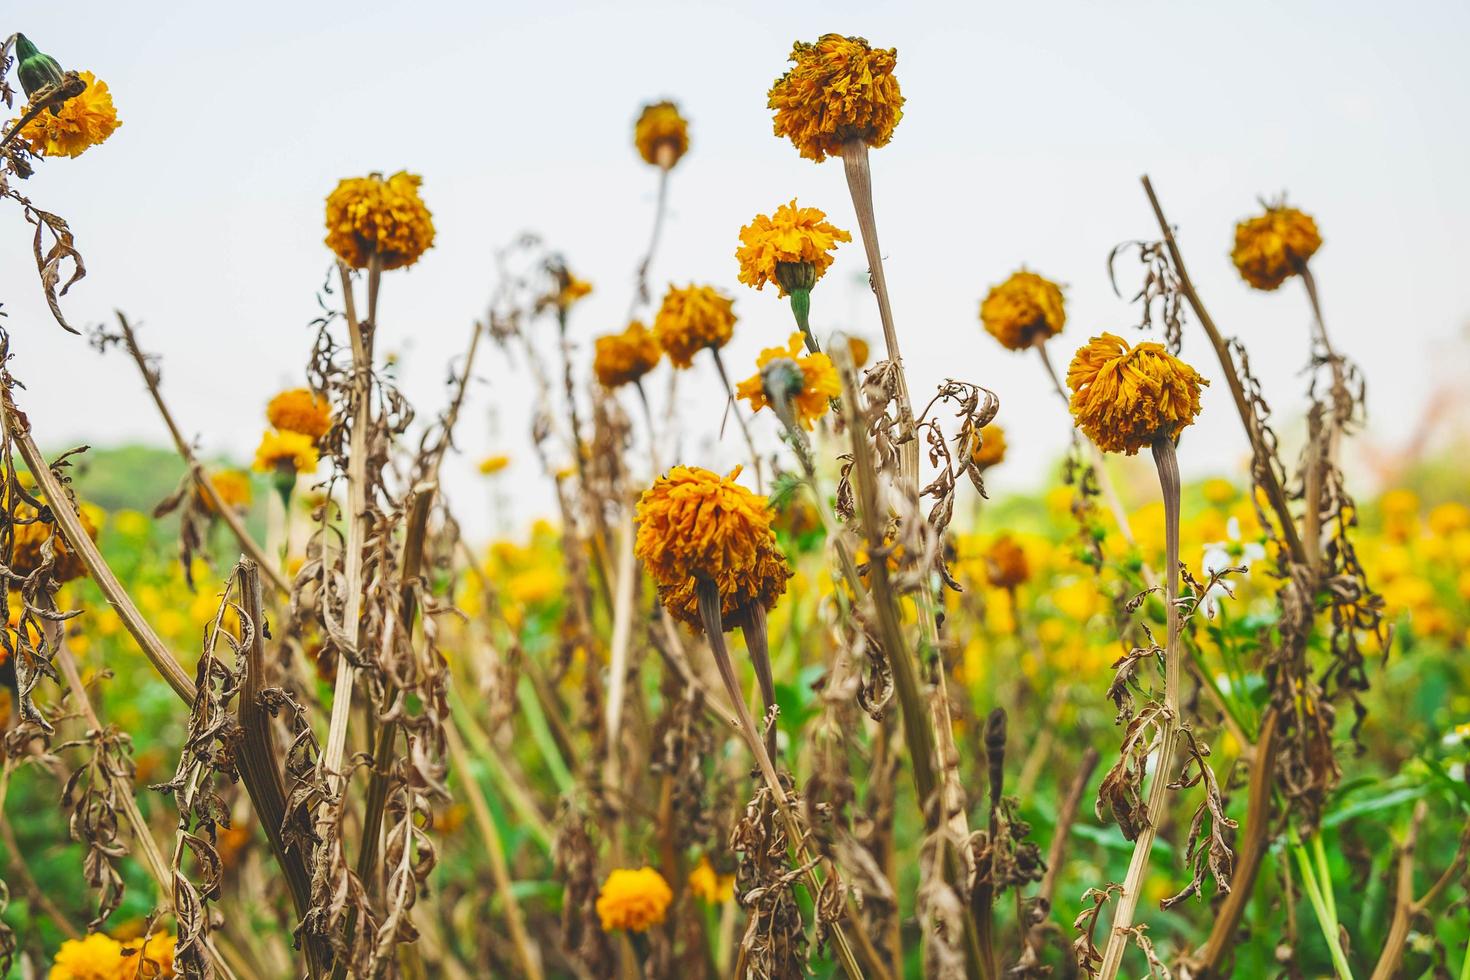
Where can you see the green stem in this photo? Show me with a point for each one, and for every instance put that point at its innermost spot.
(801, 308)
(1325, 919)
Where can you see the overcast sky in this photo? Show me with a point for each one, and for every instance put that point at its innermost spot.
(1025, 131)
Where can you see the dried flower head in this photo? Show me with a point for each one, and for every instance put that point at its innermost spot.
(286, 451)
(93, 957)
(31, 537)
(661, 134)
(691, 319)
(991, 450)
(839, 89)
(709, 885)
(79, 124)
(623, 358)
(1123, 398)
(233, 488)
(1274, 246)
(792, 248)
(694, 524)
(786, 375)
(633, 899)
(491, 465)
(1023, 310)
(369, 216)
(1005, 564)
(300, 410)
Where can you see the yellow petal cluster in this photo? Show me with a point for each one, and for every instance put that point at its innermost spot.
(1123, 398)
(1024, 309)
(80, 123)
(693, 318)
(661, 134)
(695, 524)
(992, 448)
(97, 956)
(1274, 246)
(286, 450)
(369, 216)
(623, 358)
(819, 381)
(300, 410)
(633, 899)
(709, 885)
(233, 488)
(790, 236)
(155, 959)
(839, 89)
(31, 537)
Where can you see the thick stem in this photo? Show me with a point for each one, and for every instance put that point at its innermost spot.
(801, 309)
(753, 628)
(755, 457)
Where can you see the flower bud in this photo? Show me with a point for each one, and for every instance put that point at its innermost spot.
(792, 276)
(37, 70)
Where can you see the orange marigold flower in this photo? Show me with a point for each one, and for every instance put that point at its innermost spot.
(1123, 398)
(691, 319)
(300, 410)
(93, 957)
(233, 488)
(369, 216)
(661, 134)
(694, 524)
(623, 358)
(280, 451)
(1023, 310)
(32, 537)
(840, 89)
(1005, 564)
(708, 884)
(992, 447)
(791, 248)
(859, 348)
(81, 122)
(807, 382)
(1274, 246)
(151, 957)
(633, 899)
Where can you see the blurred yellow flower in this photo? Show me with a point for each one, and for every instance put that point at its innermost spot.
(624, 358)
(1023, 310)
(286, 452)
(661, 134)
(152, 957)
(93, 957)
(859, 348)
(709, 885)
(491, 465)
(300, 410)
(838, 90)
(233, 488)
(31, 539)
(369, 216)
(1006, 564)
(1124, 398)
(791, 248)
(633, 899)
(691, 319)
(809, 383)
(991, 449)
(80, 123)
(1274, 246)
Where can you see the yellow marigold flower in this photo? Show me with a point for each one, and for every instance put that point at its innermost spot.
(286, 451)
(992, 448)
(491, 465)
(791, 248)
(153, 958)
(93, 957)
(1024, 309)
(1124, 398)
(708, 884)
(859, 348)
(694, 524)
(840, 89)
(623, 358)
(369, 216)
(569, 289)
(300, 410)
(661, 134)
(233, 488)
(31, 537)
(809, 382)
(1274, 246)
(633, 899)
(1005, 565)
(79, 124)
(691, 319)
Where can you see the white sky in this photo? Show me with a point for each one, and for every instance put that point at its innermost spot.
(1025, 131)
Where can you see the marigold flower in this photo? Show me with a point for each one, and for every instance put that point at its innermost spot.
(1123, 398)
(93, 957)
(623, 358)
(1005, 564)
(569, 289)
(233, 488)
(290, 451)
(812, 380)
(369, 216)
(79, 124)
(661, 134)
(300, 410)
(1023, 310)
(691, 319)
(991, 449)
(158, 952)
(633, 899)
(694, 524)
(859, 348)
(840, 89)
(31, 537)
(791, 248)
(1274, 246)
(708, 884)
(491, 465)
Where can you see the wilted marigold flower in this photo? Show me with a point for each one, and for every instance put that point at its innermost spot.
(661, 134)
(1274, 246)
(791, 248)
(1123, 398)
(491, 465)
(93, 957)
(293, 451)
(233, 488)
(694, 524)
(1005, 564)
(691, 319)
(300, 410)
(623, 358)
(708, 884)
(992, 448)
(1024, 309)
(808, 383)
(369, 216)
(839, 90)
(81, 122)
(31, 537)
(633, 899)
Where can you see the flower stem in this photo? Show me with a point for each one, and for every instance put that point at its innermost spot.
(801, 309)
(755, 457)
(1324, 907)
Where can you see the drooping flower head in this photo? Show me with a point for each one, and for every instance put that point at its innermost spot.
(300, 410)
(633, 899)
(623, 358)
(80, 123)
(661, 134)
(1006, 566)
(789, 376)
(1123, 398)
(694, 524)
(691, 319)
(710, 885)
(233, 488)
(791, 248)
(369, 216)
(992, 448)
(93, 957)
(286, 452)
(839, 89)
(1274, 246)
(1023, 310)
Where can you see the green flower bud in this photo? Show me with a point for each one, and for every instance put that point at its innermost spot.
(37, 70)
